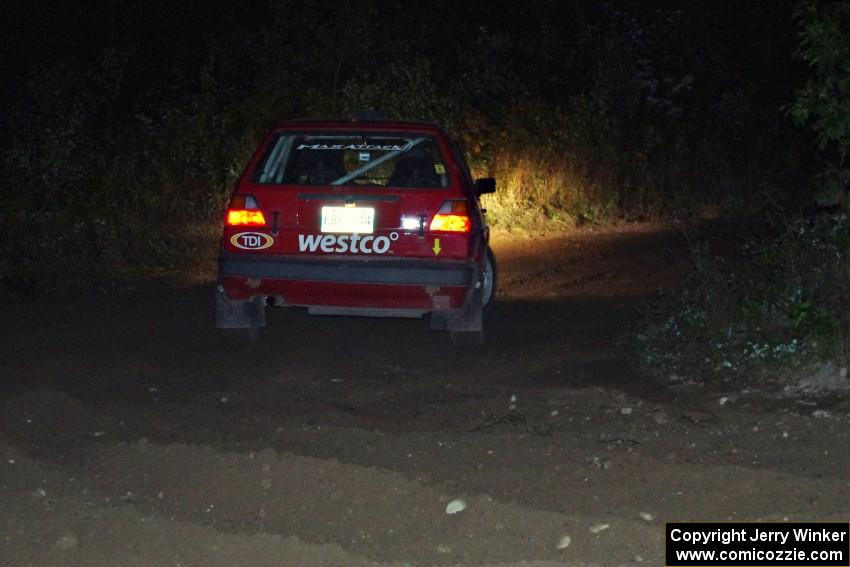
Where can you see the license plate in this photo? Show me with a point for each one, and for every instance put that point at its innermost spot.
(348, 219)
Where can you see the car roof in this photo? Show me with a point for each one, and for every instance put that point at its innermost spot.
(356, 124)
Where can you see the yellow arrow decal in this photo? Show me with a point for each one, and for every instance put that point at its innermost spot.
(437, 247)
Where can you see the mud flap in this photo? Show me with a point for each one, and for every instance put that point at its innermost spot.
(468, 319)
(239, 314)
(471, 318)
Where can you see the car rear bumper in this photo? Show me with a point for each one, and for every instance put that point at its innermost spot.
(378, 271)
(376, 287)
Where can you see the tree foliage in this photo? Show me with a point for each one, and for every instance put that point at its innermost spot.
(824, 102)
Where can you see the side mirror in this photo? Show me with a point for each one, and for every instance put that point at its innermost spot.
(485, 185)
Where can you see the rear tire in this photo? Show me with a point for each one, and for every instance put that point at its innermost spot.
(489, 279)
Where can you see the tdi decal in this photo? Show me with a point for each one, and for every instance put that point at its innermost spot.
(251, 240)
(354, 243)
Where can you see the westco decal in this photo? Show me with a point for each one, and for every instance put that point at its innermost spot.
(341, 244)
(251, 240)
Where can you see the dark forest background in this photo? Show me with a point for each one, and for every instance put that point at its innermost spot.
(125, 123)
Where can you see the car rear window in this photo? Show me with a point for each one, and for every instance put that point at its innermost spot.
(364, 159)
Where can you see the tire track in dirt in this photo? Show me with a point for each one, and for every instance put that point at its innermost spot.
(363, 514)
(369, 512)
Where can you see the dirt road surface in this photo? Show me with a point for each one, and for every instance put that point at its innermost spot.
(129, 435)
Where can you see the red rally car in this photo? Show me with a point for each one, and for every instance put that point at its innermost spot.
(369, 218)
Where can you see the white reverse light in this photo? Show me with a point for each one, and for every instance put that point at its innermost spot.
(411, 222)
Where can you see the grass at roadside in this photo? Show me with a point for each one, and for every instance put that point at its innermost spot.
(768, 302)
(540, 194)
(96, 258)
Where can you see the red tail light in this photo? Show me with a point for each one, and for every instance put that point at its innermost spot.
(244, 211)
(453, 216)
